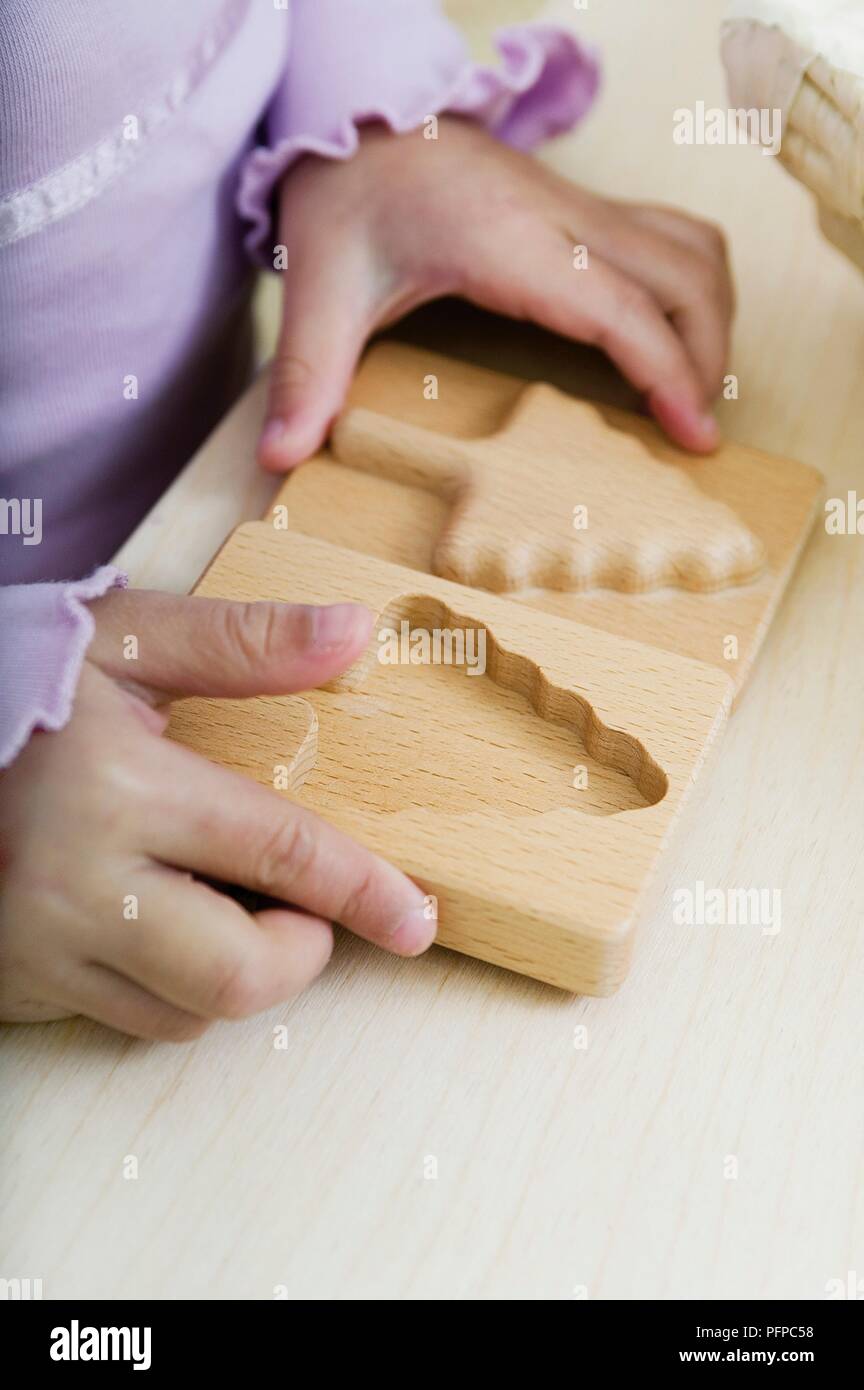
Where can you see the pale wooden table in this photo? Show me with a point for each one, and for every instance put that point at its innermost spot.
(559, 1169)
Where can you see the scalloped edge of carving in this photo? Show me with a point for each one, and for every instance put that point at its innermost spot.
(511, 670)
(595, 568)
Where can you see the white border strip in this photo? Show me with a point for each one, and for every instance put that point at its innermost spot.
(77, 183)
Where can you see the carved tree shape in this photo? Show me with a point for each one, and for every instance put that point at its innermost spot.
(514, 497)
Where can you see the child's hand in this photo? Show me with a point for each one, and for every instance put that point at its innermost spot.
(104, 823)
(409, 219)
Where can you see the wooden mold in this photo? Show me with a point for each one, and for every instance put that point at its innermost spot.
(506, 740)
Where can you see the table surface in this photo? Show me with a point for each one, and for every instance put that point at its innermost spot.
(443, 1129)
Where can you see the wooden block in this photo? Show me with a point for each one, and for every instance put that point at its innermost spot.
(530, 784)
(480, 485)
(466, 781)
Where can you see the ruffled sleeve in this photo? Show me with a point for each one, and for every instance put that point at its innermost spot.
(45, 630)
(399, 62)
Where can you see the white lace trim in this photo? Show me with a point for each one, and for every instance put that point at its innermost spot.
(77, 183)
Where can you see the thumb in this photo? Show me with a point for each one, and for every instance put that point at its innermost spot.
(205, 646)
(326, 318)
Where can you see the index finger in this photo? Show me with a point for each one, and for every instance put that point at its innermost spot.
(607, 309)
(621, 316)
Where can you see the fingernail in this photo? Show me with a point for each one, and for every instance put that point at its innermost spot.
(414, 934)
(335, 625)
(686, 422)
(709, 427)
(273, 433)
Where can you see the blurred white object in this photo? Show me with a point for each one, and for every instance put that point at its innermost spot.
(806, 57)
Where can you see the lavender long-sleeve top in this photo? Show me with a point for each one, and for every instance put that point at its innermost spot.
(141, 146)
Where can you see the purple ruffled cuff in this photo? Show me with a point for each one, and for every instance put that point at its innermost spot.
(547, 81)
(45, 630)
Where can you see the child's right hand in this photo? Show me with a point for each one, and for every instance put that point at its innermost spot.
(107, 813)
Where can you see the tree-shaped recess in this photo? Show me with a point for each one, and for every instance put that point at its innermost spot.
(490, 736)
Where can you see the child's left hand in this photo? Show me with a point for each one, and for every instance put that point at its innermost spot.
(408, 219)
